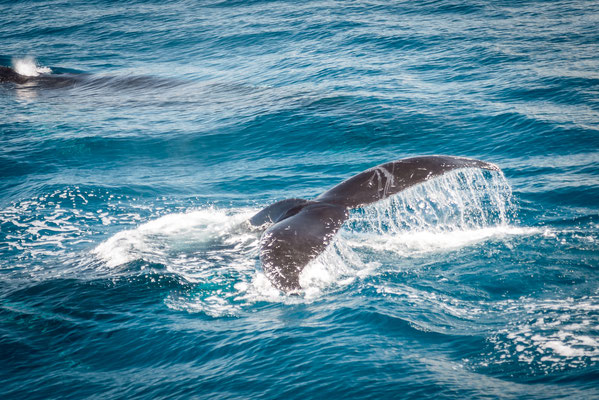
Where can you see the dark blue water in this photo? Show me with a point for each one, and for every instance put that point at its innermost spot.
(126, 268)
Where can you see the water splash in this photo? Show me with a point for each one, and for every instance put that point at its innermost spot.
(217, 251)
(200, 238)
(28, 67)
(459, 209)
(460, 200)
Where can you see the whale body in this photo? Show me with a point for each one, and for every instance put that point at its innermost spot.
(42, 80)
(65, 80)
(298, 230)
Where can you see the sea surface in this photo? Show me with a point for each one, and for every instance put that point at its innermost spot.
(127, 268)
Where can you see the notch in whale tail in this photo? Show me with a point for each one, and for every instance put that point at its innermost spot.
(277, 211)
(302, 229)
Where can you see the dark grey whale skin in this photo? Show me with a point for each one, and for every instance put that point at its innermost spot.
(9, 75)
(298, 230)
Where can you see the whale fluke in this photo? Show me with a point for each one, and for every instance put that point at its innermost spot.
(287, 246)
(302, 229)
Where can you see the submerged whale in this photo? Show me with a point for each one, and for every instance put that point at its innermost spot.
(298, 230)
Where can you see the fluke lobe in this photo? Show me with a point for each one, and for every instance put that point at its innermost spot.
(298, 230)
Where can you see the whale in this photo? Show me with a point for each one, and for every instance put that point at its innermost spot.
(44, 80)
(66, 80)
(296, 230)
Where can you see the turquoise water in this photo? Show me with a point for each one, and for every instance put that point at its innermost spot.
(127, 270)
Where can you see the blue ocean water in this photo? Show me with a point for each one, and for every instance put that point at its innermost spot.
(126, 267)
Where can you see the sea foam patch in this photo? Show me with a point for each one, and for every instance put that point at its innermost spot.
(175, 238)
(413, 243)
(549, 335)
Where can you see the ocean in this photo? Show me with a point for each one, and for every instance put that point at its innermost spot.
(127, 269)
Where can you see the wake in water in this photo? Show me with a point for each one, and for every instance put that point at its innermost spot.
(217, 250)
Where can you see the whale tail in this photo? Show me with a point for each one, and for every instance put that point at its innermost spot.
(302, 229)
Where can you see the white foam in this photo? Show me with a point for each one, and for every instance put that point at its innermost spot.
(174, 236)
(213, 305)
(338, 265)
(28, 67)
(259, 288)
(413, 243)
(554, 334)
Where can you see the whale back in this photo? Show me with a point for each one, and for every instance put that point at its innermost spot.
(8, 74)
